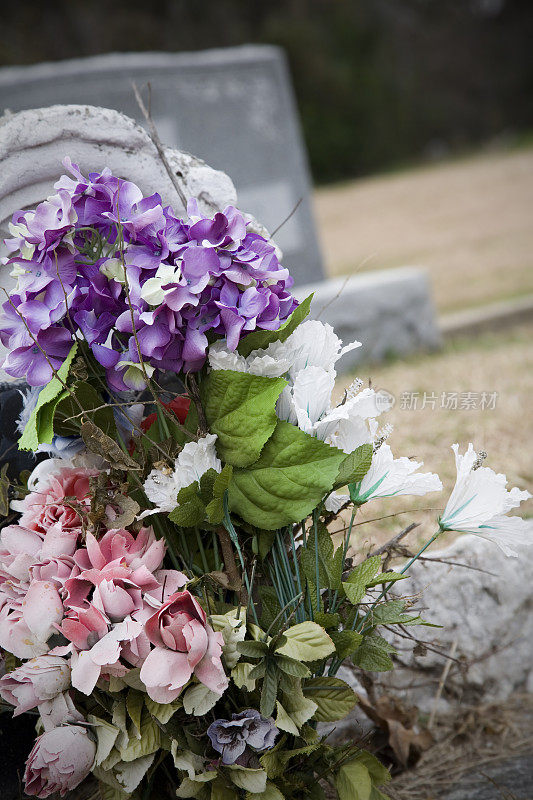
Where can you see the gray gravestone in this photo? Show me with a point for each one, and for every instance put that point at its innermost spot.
(232, 107)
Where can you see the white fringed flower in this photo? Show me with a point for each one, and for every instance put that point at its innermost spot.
(195, 459)
(312, 344)
(480, 501)
(389, 476)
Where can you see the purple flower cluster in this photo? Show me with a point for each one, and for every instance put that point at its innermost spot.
(101, 262)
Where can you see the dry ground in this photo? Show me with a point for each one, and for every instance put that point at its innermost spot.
(469, 222)
(501, 363)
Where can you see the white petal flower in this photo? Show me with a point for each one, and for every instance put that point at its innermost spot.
(195, 459)
(152, 290)
(314, 344)
(480, 501)
(389, 476)
(269, 363)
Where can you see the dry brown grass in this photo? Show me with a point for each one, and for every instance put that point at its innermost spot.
(468, 222)
(502, 363)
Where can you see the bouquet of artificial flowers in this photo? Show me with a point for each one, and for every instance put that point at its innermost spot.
(173, 608)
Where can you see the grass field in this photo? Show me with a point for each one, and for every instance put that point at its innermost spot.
(500, 363)
(468, 222)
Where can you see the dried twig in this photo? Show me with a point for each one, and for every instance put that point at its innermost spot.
(287, 218)
(391, 544)
(154, 136)
(442, 681)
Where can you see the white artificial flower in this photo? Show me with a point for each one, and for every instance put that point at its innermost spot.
(312, 344)
(389, 476)
(152, 290)
(480, 501)
(113, 269)
(194, 460)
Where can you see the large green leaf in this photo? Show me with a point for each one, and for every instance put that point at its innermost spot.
(291, 476)
(258, 340)
(333, 697)
(373, 654)
(357, 581)
(241, 409)
(39, 428)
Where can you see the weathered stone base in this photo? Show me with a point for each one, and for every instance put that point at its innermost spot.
(390, 311)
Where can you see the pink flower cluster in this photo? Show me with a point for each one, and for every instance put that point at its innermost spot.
(77, 610)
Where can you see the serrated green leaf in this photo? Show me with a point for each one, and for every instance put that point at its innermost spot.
(253, 649)
(306, 641)
(346, 642)
(373, 654)
(189, 514)
(198, 700)
(355, 466)
(353, 782)
(259, 340)
(149, 741)
(292, 667)
(378, 772)
(241, 409)
(269, 691)
(241, 676)
(207, 485)
(333, 697)
(251, 780)
(291, 476)
(106, 736)
(32, 435)
(386, 577)
(327, 620)
(391, 613)
(162, 712)
(270, 607)
(215, 508)
(356, 583)
(284, 721)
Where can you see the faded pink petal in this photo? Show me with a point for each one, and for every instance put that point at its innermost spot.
(43, 609)
(164, 674)
(61, 758)
(210, 671)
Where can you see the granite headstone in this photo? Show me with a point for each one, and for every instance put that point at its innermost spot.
(233, 108)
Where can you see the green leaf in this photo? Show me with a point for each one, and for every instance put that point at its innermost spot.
(346, 642)
(241, 676)
(198, 700)
(353, 782)
(291, 476)
(241, 409)
(386, 577)
(329, 562)
(306, 641)
(251, 780)
(326, 620)
(333, 697)
(259, 340)
(134, 707)
(207, 485)
(356, 583)
(89, 399)
(215, 508)
(106, 736)
(51, 393)
(269, 691)
(378, 771)
(355, 466)
(188, 514)
(4, 491)
(292, 667)
(391, 613)
(162, 712)
(373, 654)
(149, 742)
(271, 793)
(284, 720)
(253, 649)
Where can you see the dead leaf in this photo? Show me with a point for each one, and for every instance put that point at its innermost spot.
(98, 442)
(401, 726)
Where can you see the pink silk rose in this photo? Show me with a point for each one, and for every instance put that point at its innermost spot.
(27, 623)
(34, 682)
(61, 758)
(52, 508)
(185, 644)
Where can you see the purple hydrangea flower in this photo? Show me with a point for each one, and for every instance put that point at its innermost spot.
(187, 280)
(230, 738)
